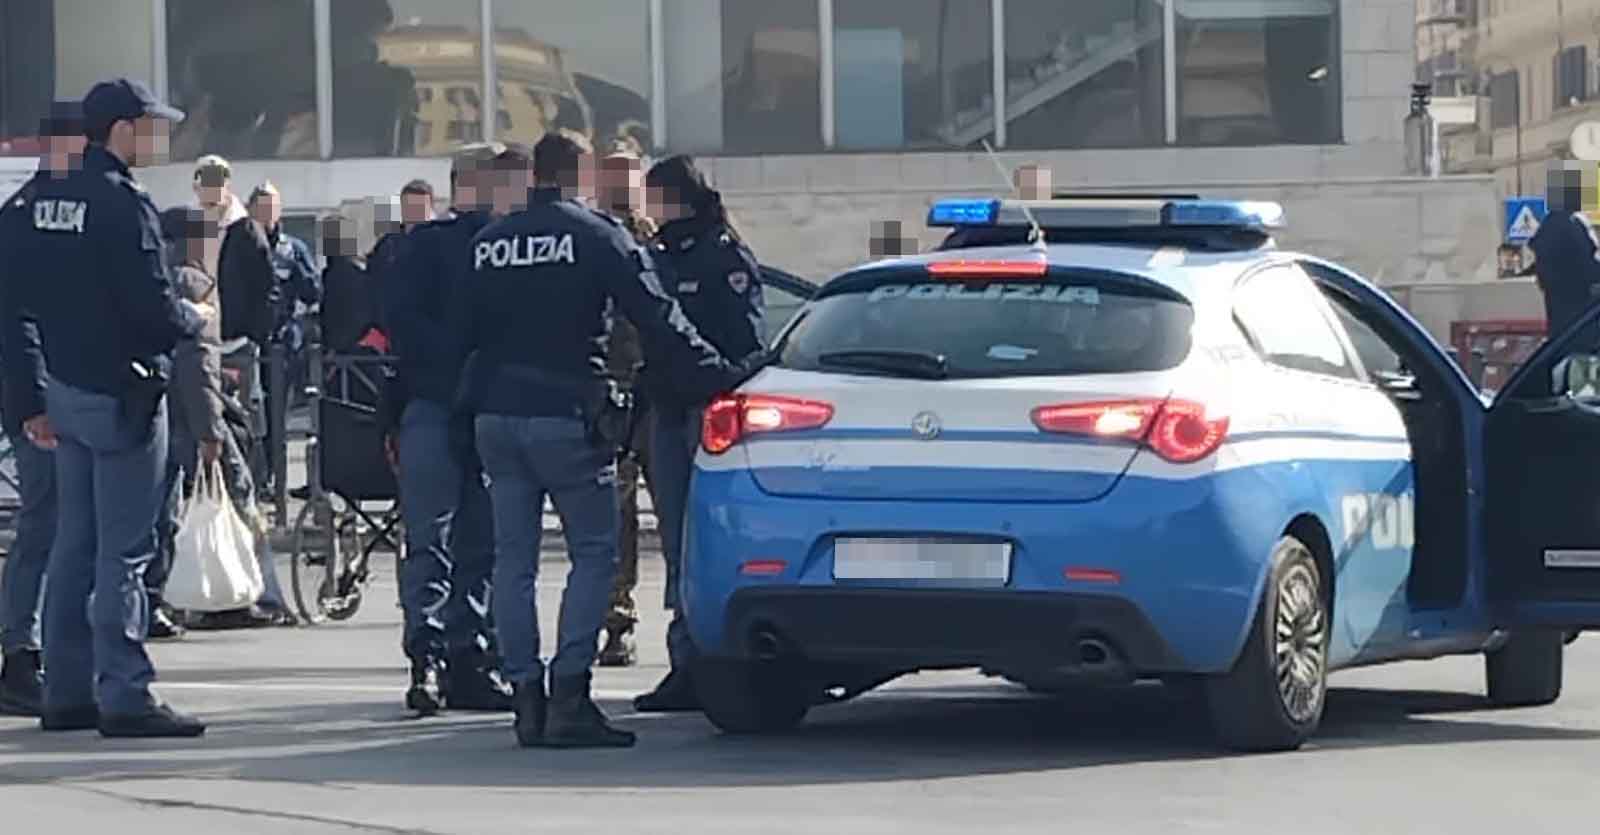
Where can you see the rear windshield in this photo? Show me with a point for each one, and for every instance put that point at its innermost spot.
(914, 326)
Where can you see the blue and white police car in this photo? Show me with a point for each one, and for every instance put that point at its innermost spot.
(1130, 439)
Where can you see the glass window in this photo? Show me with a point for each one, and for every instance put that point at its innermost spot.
(246, 73)
(580, 66)
(407, 75)
(1505, 99)
(742, 77)
(1279, 311)
(57, 49)
(906, 71)
(1376, 355)
(1086, 74)
(1258, 72)
(1073, 323)
(1570, 74)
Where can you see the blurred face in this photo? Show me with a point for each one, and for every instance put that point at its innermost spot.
(415, 208)
(511, 189)
(212, 196)
(140, 142)
(587, 186)
(621, 187)
(466, 193)
(267, 210)
(63, 154)
(1033, 182)
(665, 204)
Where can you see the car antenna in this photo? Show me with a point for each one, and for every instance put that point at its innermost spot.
(1035, 231)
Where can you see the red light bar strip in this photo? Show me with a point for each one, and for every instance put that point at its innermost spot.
(987, 269)
(1092, 575)
(763, 568)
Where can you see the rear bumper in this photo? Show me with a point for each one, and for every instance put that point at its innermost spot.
(928, 628)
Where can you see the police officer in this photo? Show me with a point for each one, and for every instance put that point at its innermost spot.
(717, 281)
(1567, 250)
(621, 192)
(535, 321)
(22, 582)
(108, 321)
(444, 580)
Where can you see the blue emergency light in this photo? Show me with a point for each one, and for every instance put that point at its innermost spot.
(1109, 213)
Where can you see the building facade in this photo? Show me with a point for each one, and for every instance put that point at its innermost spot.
(815, 117)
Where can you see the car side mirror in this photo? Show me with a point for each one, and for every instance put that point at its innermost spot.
(1577, 376)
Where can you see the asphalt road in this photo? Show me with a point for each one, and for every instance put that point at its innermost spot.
(308, 735)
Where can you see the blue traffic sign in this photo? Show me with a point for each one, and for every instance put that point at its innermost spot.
(1523, 216)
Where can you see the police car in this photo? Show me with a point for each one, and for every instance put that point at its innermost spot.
(1148, 444)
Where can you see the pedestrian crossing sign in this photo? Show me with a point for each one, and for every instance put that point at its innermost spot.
(1523, 215)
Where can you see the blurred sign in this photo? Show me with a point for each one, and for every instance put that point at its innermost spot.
(1523, 215)
(1585, 141)
(14, 171)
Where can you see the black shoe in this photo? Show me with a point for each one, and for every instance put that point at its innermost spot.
(573, 720)
(161, 722)
(73, 719)
(675, 694)
(424, 697)
(21, 683)
(300, 494)
(531, 704)
(163, 624)
(470, 687)
(620, 649)
(274, 616)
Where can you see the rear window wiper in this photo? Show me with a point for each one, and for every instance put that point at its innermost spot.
(897, 363)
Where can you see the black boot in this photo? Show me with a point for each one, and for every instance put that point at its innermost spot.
(530, 703)
(476, 684)
(424, 696)
(21, 683)
(160, 722)
(620, 650)
(575, 721)
(675, 694)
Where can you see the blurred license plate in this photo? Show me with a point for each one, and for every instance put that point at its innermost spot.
(922, 559)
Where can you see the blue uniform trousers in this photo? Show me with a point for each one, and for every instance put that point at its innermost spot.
(675, 433)
(444, 579)
(109, 471)
(528, 459)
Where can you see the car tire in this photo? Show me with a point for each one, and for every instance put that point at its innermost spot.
(1527, 670)
(1251, 709)
(751, 697)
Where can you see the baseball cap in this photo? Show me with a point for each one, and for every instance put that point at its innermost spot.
(123, 98)
(212, 170)
(64, 119)
(475, 155)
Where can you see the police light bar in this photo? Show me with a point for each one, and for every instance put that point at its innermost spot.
(1116, 213)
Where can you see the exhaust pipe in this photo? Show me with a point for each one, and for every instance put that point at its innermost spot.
(765, 645)
(1093, 653)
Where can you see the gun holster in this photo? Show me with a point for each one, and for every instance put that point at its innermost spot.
(140, 400)
(608, 417)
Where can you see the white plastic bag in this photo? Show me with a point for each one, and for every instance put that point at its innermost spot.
(214, 566)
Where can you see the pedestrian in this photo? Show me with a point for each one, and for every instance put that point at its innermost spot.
(298, 288)
(444, 580)
(247, 291)
(716, 279)
(621, 195)
(108, 322)
(350, 304)
(1565, 249)
(201, 433)
(534, 321)
(416, 204)
(22, 393)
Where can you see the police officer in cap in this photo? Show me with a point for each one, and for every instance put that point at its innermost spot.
(444, 580)
(535, 321)
(22, 581)
(108, 321)
(717, 281)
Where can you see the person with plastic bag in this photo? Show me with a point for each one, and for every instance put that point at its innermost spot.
(205, 446)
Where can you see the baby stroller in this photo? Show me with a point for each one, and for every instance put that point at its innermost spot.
(352, 509)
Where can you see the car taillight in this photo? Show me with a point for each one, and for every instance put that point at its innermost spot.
(733, 417)
(1180, 431)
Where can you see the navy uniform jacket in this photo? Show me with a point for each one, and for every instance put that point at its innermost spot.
(298, 282)
(418, 276)
(1568, 267)
(536, 316)
(104, 300)
(716, 279)
(22, 383)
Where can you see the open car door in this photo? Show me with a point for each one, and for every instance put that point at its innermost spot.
(1541, 508)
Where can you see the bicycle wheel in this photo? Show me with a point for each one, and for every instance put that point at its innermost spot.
(313, 555)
